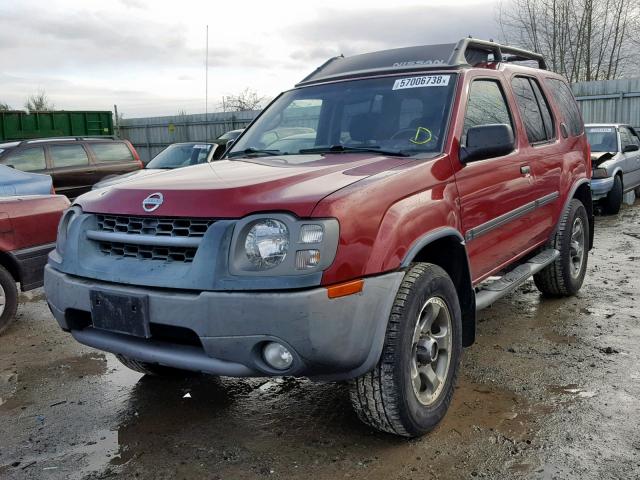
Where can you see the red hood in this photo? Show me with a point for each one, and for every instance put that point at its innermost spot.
(234, 188)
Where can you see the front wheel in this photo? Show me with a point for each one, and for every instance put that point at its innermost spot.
(565, 275)
(613, 201)
(410, 389)
(8, 299)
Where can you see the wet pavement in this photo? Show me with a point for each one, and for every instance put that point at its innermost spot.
(550, 390)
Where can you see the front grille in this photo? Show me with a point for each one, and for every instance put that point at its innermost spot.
(148, 252)
(156, 226)
(132, 227)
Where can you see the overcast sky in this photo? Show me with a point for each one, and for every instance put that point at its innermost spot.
(148, 56)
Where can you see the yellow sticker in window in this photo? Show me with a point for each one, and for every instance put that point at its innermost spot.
(422, 136)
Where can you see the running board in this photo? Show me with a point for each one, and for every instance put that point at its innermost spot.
(496, 289)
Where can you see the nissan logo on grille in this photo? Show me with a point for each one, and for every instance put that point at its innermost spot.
(152, 202)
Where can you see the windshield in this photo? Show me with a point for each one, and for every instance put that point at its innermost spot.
(395, 115)
(602, 139)
(181, 155)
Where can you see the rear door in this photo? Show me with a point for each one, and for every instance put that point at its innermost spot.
(628, 137)
(112, 158)
(496, 194)
(72, 172)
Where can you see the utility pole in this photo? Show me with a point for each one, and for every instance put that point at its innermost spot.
(115, 109)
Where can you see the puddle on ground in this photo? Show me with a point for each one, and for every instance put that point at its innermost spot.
(573, 390)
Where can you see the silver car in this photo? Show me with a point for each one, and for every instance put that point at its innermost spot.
(615, 158)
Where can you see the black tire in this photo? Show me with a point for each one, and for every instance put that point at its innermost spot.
(154, 369)
(385, 398)
(562, 278)
(8, 284)
(637, 192)
(613, 201)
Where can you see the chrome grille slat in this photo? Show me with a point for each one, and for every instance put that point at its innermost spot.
(149, 238)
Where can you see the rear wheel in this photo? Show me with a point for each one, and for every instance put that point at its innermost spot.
(565, 275)
(8, 299)
(153, 368)
(410, 389)
(613, 201)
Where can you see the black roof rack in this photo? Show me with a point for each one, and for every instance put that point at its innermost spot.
(467, 52)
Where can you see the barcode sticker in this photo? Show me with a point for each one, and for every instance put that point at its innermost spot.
(417, 82)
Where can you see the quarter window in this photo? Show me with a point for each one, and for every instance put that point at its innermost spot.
(567, 105)
(68, 156)
(533, 109)
(486, 105)
(27, 160)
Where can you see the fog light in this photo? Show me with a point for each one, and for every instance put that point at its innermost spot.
(311, 234)
(277, 356)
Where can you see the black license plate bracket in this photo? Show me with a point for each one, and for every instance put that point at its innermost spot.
(120, 313)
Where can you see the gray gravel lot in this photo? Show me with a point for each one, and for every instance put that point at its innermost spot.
(550, 390)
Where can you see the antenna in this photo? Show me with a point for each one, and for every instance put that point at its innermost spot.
(206, 87)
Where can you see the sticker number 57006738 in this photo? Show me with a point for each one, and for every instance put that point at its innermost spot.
(427, 81)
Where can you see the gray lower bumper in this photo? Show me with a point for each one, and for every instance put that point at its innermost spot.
(330, 338)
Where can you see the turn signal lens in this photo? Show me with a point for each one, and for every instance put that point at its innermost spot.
(307, 259)
(344, 289)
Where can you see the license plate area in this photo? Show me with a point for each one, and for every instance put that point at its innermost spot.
(118, 313)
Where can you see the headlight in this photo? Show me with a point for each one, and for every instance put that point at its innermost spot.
(267, 243)
(599, 173)
(63, 227)
(279, 244)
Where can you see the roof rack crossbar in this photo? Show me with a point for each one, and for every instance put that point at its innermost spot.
(458, 57)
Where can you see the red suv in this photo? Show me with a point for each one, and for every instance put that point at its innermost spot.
(27, 235)
(359, 254)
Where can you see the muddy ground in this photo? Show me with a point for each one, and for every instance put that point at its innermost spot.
(550, 390)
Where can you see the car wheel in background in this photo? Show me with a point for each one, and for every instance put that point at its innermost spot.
(8, 299)
(410, 389)
(613, 201)
(565, 275)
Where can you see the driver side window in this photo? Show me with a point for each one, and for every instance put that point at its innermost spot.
(486, 105)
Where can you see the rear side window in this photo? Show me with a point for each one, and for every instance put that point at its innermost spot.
(27, 160)
(68, 156)
(486, 105)
(111, 152)
(533, 109)
(567, 105)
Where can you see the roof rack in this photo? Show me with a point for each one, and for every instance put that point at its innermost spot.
(467, 52)
(69, 139)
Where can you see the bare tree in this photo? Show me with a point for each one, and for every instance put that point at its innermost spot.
(4, 107)
(38, 102)
(248, 99)
(581, 39)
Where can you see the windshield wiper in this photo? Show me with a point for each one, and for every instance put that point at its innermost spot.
(347, 149)
(253, 151)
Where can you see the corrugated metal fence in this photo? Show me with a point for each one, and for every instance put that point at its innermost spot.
(151, 135)
(610, 101)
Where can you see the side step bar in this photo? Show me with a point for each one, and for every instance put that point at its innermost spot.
(497, 289)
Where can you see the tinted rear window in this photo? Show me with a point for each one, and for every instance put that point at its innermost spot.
(68, 156)
(111, 152)
(567, 105)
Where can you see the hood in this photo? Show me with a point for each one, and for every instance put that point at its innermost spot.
(136, 175)
(235, 188)
(600, 157)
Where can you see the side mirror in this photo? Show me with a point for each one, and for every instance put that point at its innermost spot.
(630, 148)
(487, 141)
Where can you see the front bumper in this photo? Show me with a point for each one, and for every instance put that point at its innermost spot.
(600, 187)
(332, 339)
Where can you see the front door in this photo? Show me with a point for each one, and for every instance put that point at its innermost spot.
(496, 193)
(631, 167)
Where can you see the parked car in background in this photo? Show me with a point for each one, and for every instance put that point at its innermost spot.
(16, 182)
(615, 159)
(176, 155)
(28, 226)
(363, 257)
(74, 163)
(230, 135)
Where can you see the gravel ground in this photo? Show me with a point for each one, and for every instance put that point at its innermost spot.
(551, 390)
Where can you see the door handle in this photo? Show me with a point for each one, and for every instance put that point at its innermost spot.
(525, 170)
(89, 172)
